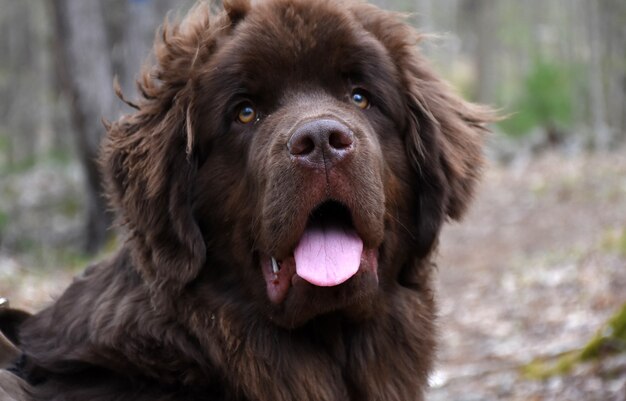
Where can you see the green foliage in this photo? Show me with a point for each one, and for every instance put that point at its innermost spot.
(545, 101)
(54, 157)
(612, 338)
(609, 340)
(615, 241)
(4, 141)
(4, 220)
(5, 148)
(541, 369)
(70, 206)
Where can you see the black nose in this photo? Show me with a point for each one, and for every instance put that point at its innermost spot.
(319, 143)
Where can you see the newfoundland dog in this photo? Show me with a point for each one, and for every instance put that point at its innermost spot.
(283, 182)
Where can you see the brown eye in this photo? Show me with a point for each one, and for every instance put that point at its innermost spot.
(360, 99)
(247, 114)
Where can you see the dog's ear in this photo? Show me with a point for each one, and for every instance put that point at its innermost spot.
(443, 133)
(444, 141)
(236, 9)
(442, 125)
(149, 159)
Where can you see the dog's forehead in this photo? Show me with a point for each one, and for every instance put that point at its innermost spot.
(309, 24)
(285, 47)
(296, 37)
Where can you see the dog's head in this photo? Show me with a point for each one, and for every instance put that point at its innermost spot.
(300, 154)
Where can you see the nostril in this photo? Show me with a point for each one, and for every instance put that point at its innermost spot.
(340, 139)
(318, 142)
(302, 145)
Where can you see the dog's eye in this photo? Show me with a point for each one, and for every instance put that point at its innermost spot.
(247, 113)
(360, 99)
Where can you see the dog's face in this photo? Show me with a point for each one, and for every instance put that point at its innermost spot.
(297, 156)
(304, 111)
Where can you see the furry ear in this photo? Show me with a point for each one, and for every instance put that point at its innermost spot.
(236, 9)
(444, 133)
(444, 141)
(149, 159)
(444, 126)
(149, 176)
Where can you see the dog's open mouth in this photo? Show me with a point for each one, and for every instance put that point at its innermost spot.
(329, 253)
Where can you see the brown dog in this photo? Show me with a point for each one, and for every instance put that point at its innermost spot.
(283, 182)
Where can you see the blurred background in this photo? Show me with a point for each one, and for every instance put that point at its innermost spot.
(532, 283)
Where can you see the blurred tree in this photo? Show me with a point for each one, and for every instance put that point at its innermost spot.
(143, 19)
(546, 102)
(480, 18)
(598, 103)
(26, 113)
(609, 21)
(84, 70)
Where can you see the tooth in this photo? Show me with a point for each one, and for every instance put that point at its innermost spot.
(275, 267)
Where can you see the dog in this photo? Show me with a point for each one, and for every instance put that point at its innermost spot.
(282, 183)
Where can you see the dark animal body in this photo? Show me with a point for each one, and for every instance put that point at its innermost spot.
(283, 182)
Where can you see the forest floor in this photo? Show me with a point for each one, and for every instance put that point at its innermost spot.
(534, 271)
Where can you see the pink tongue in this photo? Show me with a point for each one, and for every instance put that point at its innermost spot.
(328, 255)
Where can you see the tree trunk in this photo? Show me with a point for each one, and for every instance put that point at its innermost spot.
(85, 73)
(613, 18)
(142, 22)
(601, 132)
(480, 23)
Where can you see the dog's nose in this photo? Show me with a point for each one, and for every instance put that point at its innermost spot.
(319, 143)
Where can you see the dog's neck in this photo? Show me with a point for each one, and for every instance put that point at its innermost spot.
(379, 359)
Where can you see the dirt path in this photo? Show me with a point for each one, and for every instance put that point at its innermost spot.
(534, 270)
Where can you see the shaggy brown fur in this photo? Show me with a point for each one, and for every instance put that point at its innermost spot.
(185, 310)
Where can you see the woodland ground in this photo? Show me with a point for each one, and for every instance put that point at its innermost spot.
(534, 271)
